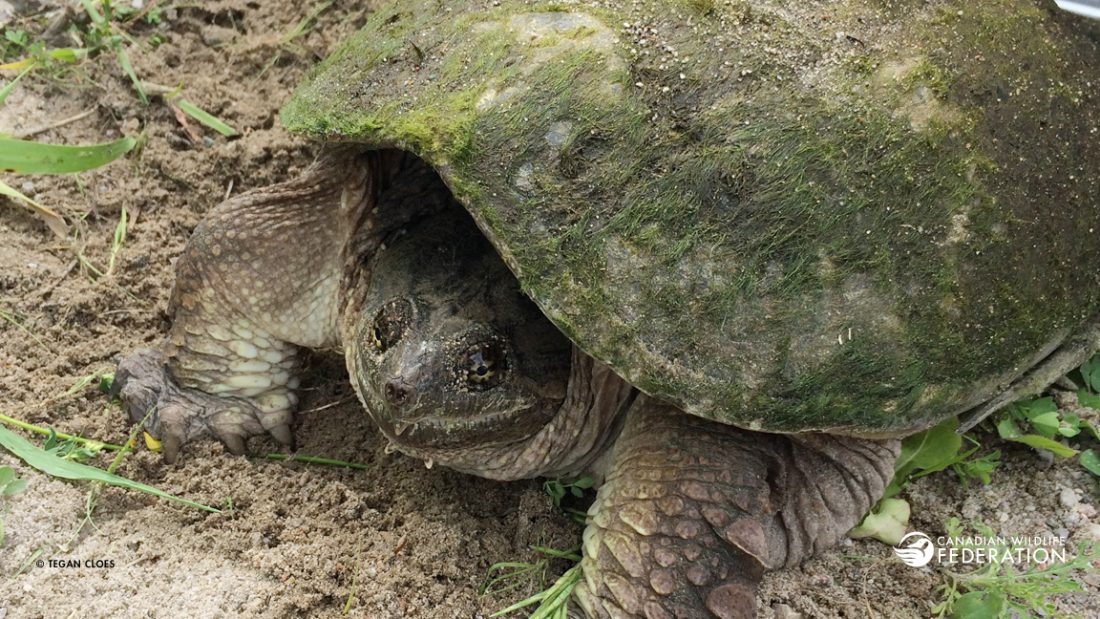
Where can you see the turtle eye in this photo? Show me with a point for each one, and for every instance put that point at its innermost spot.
(484, 366)
(388, 326)
(377, 338)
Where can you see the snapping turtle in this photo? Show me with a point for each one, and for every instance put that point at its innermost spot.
(776, 237)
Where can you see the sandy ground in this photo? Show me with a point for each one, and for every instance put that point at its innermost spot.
(397, 540)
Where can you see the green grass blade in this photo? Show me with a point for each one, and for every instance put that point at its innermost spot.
(550, 601)
(6, 90)
(63, 54)
(93, 14)
(1042, 442)
(91, 443)
(306, 23)
(315, 460)
(205, 118)
(10, 318)
(66, 469)
(68, 54)
(124, 62)
(52, 219)
(27, 564)
(27, 157)
(118, 240)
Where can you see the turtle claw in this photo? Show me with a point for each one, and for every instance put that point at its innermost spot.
(177, 415)
(170, 448)
(283, 435)
(233, 442)
(138, 382)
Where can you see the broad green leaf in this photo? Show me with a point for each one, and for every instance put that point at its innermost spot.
(1091, 461)
(54, 466)
(26, 157)
(929, 448)
(1045, 423)
(1033, 408)
(1090, 371)
(13, 487)
(205, 118)
(1070, 425)
(886, 523)
(979, 605)
(1042, 442)
(1088, 399)
(1007, 429)
(6, 475)
(932, 450)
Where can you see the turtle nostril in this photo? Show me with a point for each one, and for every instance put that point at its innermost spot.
(398, 392)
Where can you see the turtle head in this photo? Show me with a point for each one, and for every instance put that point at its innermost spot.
(449, 356)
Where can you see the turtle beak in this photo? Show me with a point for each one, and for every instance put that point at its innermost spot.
(400, 391)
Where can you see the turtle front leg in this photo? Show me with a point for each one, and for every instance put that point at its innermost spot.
(260, 277)
(692, 512)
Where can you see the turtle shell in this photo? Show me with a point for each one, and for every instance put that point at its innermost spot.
(850, 216)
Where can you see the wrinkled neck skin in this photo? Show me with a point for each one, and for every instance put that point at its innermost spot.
(404, 189)
(570, 444)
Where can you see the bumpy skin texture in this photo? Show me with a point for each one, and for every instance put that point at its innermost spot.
(692, 512)
(265, 273)
(458, 367)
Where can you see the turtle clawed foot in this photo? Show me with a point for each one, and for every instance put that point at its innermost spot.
(177, 415)
(139, 380)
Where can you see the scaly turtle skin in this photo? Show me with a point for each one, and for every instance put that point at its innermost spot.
(774, 249)
(459, 368)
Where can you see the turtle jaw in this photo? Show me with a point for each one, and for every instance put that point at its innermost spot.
(448, 387)
(428, 409)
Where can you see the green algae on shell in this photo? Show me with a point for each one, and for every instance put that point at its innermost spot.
(845, 217)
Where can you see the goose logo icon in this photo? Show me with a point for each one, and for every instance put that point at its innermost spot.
(915, 549)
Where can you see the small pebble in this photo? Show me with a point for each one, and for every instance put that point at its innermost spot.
(1068, 498)
(782, 611)
(216, 36)
(1091, 532)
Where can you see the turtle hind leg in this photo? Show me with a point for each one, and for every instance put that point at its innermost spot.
(260, 277)
(692, 512)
